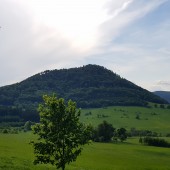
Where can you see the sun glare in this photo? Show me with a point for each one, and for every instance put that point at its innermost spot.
(75, 20)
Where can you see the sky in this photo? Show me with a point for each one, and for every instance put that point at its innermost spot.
(129, 37)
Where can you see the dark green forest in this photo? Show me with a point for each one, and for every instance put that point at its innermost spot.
(90, 86)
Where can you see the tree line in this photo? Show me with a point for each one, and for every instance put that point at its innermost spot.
(10, 114)
(151, 141)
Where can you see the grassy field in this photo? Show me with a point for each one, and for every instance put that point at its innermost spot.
(17, 154)
(154, 119)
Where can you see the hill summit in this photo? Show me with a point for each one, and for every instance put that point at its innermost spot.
(89, 86)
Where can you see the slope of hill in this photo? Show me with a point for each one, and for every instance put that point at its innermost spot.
(163, 94)
(90, 86)
(155, 119)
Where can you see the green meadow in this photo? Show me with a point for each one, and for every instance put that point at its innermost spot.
(154, 119)
(17, 154)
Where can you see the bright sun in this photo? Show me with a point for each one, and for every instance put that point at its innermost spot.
(76, 20)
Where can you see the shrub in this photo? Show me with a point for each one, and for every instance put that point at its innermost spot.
(154, 142)
(5, 131)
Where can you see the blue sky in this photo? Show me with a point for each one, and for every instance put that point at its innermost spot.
(129, 37)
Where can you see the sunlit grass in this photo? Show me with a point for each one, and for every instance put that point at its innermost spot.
(154, 119)
(16, 153)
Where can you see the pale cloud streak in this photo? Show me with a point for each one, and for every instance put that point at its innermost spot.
(128, 12)
(124, 5)
(161, 86)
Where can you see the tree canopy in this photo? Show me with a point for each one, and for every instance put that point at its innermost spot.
(103, 133)
(60, 133)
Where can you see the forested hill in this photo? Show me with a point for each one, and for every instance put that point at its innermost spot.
(89, 86)
(163, 94)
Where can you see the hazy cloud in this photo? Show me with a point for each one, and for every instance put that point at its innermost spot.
(161, 86)
(128, 36)
(26, 48)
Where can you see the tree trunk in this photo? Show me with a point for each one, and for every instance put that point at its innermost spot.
(63, 167)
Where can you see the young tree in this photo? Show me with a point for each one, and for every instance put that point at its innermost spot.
(162, 106)
(156, 105)
(104, 132)
(27, 125)
(121, 134)
(168, 107)
(61, 135)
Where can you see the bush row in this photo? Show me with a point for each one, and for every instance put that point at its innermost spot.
(151, 141)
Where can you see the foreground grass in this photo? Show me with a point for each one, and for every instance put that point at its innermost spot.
(17, 154)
